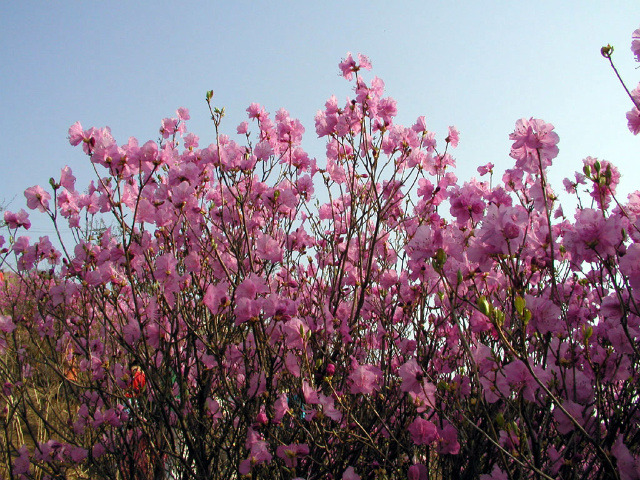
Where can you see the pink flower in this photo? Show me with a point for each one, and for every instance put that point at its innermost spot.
(418, 472)
(259, 452)
(280, 408)
(37, 198)
(6, 324)
(412, 376)
(310, 394)
(76, 134)
(423, 432)
(533, 138)
(169, 127)
(191, 141)
(449, 441)
(454, 137)
(243, 128)
(635, 44)
(484, 169)
(628, 465)
(216, 297)
(16, 220)
(263, 150)
(291, 453)
(329, 408)
(348, 65)
(350, 474)
(21, 463)
(630, 266)
(183, 113)
(67, 180)
(365, 379)
(633, 119)
(364, 61)
(267, 248)
(256, 111)
(496, 474)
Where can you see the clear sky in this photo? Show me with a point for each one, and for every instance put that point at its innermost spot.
(479, 65)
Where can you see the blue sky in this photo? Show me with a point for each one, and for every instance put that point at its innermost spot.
(477, 65)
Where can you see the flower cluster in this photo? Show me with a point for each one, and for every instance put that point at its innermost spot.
(214, 318)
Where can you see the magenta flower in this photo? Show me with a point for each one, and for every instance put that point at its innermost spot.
(243, 128)
(350, 474)
(183, 113)
(291, 453)
(17, 220)
(484, 169)
(67, 180)
(412, 376)
(635, 44)
(365, 379)
(280, 408)
(6, 324)
(37, 198)
(418, 471)
(348, 65)
(533, 138)
(22, 464)
(423, 432)
(448, 441)
(633, 119)
(454, 137)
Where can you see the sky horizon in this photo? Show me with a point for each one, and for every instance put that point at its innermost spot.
(478, 67)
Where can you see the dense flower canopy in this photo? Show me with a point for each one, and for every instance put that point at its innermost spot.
(243, 309)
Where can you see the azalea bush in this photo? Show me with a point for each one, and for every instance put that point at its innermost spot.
(243, 310)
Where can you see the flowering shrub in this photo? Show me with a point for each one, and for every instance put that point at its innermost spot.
(409, 326)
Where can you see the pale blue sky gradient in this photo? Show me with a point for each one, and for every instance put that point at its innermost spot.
(477, 65)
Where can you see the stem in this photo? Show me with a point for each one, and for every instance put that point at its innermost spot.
(636, 103)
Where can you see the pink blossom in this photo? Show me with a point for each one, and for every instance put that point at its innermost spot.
(328, 407)
(454, 137)
(535, 143)
(630, 266)
(412, 376)
(216, 297)
(418, 471)
(263, 150)
(169, 127)
(628, 465)
(496, 474)
(21, 464)
(364, 61)
(37, 198)
(422, 431)
(365, 379)
(484, 169)
(259, 454)
(310, 394)
(268, 248)
(67, 180)
(350, 474)
(348, 66)
(6, 324)
(448, 441)
(635, 44)
(633, 119)
(183, 113)
(280, 407)
(76, 134)
(17, 220)
(291, 453)
(243, 128)
(256, 111)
